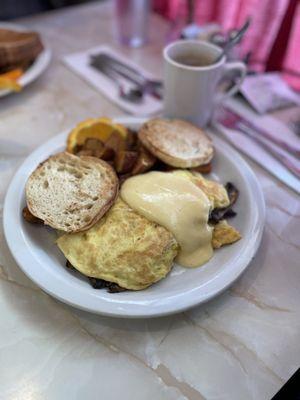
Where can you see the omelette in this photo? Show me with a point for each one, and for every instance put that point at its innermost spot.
(215, 192)
(224, 233)
(123, 247)
(128, 249)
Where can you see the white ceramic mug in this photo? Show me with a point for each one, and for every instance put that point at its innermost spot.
(191, 92)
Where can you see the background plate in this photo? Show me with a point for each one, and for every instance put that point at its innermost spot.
(34, 249)
(36, 69)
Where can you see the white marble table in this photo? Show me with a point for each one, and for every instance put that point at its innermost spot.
(243, 345)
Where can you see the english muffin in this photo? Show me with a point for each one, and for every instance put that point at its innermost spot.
(71, 193)
(177, 143)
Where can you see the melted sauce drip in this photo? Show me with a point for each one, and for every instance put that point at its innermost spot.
(177, 204)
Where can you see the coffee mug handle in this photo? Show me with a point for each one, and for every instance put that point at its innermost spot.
(240, 69)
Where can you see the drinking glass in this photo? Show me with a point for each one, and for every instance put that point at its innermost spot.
(132, 21)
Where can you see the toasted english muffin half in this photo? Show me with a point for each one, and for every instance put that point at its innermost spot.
(177, 143)
(71, 193)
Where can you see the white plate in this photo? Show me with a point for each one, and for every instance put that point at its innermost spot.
(34, 249)
(36, 69)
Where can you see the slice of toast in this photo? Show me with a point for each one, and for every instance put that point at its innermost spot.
(71, 193)
(177, 143)
(18, 48)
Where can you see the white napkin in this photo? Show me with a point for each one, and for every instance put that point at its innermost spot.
(79, 63)
(254, 150)
(267, 92)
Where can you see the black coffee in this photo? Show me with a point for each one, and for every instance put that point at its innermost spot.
(194, 60)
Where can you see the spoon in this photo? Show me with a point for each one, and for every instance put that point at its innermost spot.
(234, 40)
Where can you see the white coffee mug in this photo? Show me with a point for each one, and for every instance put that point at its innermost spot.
(191, 92)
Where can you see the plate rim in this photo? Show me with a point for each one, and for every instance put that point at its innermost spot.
(36, 69)
(111, 308)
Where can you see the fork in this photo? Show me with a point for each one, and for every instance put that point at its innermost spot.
(231, 120)
(133, 94)
(151, 86)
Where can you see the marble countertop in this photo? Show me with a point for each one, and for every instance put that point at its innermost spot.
(243, 345)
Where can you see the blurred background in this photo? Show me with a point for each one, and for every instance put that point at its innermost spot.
(272, 42)
(10, 9)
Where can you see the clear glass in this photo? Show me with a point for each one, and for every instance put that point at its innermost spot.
(132, 21)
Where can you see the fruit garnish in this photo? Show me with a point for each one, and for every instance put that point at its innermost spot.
(103, 129)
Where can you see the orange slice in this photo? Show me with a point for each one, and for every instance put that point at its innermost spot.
(94, 128)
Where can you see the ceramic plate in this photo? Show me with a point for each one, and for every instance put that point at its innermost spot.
(34, 249)
(36, 69)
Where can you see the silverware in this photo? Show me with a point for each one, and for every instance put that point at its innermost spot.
(151, 86)
(295, 126)
(241, 122)
(291, 163)
(131, 93)
(234, 39)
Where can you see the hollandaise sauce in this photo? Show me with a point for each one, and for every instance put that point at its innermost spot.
(177, 204)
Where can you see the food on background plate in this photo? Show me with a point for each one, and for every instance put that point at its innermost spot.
(18, 50)
(13, 74)
(162, 212)
(9, 84)
(177, 143)
(123, 247)
(9, 80)
(71, 193)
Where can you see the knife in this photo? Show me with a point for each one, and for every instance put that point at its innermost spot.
(237, 121)
(231, 120)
